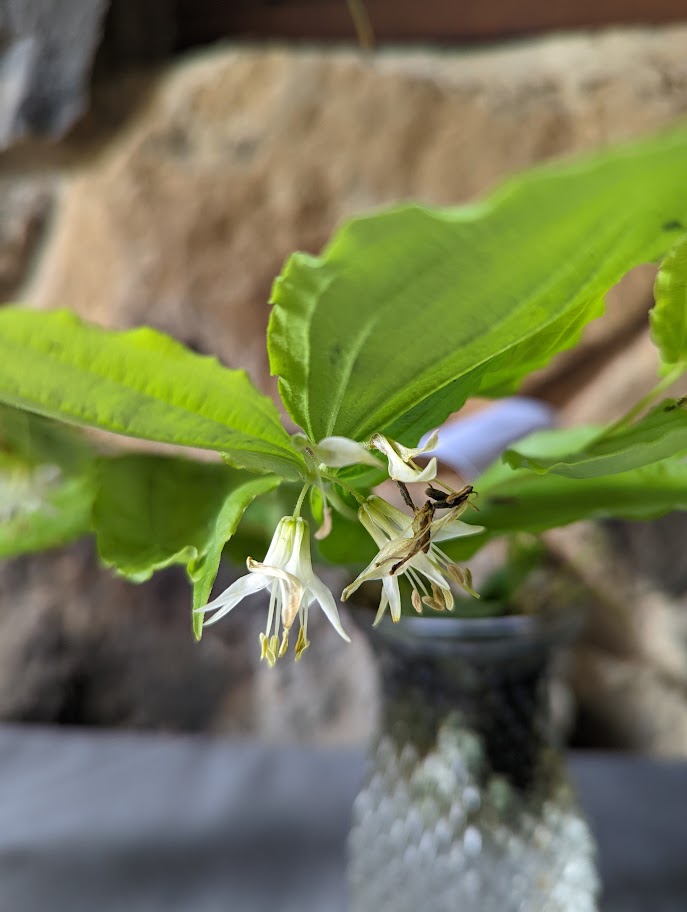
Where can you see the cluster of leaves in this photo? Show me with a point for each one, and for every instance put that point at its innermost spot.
(406, 314)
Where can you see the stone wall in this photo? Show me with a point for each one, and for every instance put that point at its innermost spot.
(175, 202)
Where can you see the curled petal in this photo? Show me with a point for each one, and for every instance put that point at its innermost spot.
(430, 444)
(401, 466)
(326, 526)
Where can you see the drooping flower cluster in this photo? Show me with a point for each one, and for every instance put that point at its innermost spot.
(407, 547)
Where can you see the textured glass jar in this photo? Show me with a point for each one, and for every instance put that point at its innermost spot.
(468, 806)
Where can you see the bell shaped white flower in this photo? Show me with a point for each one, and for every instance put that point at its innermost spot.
(402, 466)
(288, 575)
(407, 544)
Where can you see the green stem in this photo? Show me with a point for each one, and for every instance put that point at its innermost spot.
(301, 498)
(342, 484)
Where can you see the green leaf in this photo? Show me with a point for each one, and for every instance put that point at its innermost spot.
(522, 501)
(140, 383)
(203, 570)
(41, 506)
(153, 511)
(35, 440)
(46, 483)
(661, 433)
(668, 317)
(410, 311)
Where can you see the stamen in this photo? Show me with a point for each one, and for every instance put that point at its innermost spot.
(416, 579)
(441, 556)
(274, 647)
(267, 651)
(456, 573)
(273, 602)
(302, 643)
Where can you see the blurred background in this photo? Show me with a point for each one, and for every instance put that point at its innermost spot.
(160, 160)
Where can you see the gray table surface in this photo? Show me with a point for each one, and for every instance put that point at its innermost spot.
(98, 822)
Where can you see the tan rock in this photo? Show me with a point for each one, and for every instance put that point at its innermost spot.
(629, 704)
(242, 155)
(25, 205)
(80, 646)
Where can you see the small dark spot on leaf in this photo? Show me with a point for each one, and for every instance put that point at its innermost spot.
(673, 225)
(335, 353)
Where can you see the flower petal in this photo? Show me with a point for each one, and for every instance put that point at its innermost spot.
(228, 599)
(400, 458)
(337, 452)
(383, 602)
(393, 593)
(392, 521)
(430, 444)
(327, 604)
(454, 528)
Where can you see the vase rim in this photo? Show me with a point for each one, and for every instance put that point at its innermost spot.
(512, 631)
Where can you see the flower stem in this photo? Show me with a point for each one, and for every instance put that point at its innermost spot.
(301, 498)
(342, 484)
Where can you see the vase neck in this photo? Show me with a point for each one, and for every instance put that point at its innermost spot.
(502, 701)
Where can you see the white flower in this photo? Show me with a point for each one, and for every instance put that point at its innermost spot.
(287, 573)
(337, 452)
(402, 465)
(407, 545)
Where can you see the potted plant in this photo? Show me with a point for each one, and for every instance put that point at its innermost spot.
(408, 313)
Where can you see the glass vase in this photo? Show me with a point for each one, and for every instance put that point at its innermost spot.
(468, 806)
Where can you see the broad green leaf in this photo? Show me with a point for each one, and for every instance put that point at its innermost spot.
(35, 440)
(668, 317)
(46, 483)
(203, 570)
(410, 311)
(661, 433)
(550, 445)
(522, 501)
(140, 383)
(41, 506)
(153, 511)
